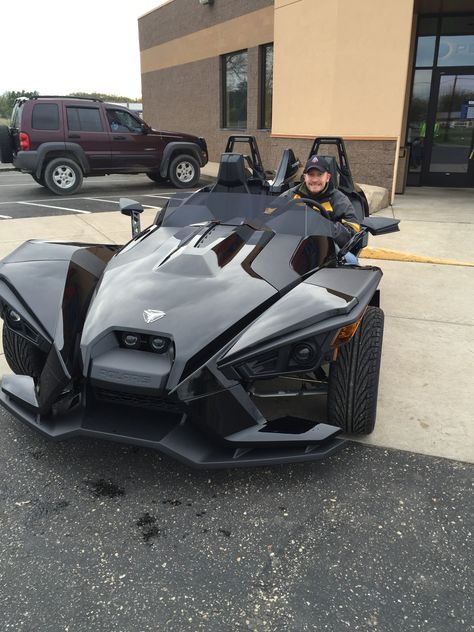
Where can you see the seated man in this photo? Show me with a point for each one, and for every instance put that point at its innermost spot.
(317, 186)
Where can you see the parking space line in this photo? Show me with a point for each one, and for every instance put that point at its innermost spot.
(165, 197)
(56, 208)
(100, 200)
(33, 184)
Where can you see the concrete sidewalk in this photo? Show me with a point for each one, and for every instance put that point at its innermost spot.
(427, 377)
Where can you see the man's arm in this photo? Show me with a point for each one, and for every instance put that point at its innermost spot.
(347, 223)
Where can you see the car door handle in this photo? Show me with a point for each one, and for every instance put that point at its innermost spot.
(74, 135)
(120, 138)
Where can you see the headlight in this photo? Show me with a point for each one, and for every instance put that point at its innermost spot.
(131, 341)
(13, 318)
(303, 353)
(143, 342)
(159, 344)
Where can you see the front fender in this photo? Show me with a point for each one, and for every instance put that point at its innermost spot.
(178, 148)
(50, 285)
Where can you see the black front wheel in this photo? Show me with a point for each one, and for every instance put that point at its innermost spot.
(22, 356)
(184, 172)
(354, 377)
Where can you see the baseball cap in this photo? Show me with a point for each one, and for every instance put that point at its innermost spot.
(317, 162)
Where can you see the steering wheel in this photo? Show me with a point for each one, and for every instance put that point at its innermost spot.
(308, 201)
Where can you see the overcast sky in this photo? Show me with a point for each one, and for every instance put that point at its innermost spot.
(84, 46)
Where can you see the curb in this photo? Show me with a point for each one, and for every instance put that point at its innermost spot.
(396, 255)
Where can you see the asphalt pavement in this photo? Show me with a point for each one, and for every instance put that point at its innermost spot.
(98, 536)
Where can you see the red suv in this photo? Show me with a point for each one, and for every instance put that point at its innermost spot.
(61, 140)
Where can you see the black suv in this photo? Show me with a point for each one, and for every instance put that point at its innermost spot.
(61, 140)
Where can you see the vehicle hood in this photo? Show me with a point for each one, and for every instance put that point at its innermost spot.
(176, 135)
(202, 279)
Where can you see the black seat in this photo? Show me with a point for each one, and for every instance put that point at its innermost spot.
(232, 177)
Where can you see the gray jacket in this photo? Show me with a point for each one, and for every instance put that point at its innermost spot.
(338, 209)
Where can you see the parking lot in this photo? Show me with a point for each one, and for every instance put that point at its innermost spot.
(21, 196)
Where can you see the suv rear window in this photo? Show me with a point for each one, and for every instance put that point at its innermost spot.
(45, 116)
(84, 119)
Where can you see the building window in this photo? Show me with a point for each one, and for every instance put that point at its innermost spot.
(442, 42)
(234, 70)
(266, 86)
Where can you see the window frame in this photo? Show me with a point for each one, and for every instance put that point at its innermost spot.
(262, 65)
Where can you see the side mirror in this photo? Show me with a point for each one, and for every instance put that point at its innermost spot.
(375, 226)
(145, 128)
(380, 225)
(133, 210)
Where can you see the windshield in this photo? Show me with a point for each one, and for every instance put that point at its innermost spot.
(263, 212)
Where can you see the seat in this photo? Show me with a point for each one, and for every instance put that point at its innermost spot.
(232, 177)
(285, 172)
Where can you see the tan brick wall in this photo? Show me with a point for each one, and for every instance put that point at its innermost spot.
(183, 17)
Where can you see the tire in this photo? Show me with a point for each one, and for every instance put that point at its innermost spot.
(155, 176)
(39, 180)
(22, 356)
(6, 150)
(184, 172)
(354, 377)
(62, 176)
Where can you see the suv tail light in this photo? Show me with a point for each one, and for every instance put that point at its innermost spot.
(24, 141)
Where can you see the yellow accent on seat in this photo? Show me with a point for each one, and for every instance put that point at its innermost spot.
(327, 206)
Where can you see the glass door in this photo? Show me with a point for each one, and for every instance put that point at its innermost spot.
(449, 133)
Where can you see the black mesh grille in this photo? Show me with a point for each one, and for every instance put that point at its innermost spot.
(153, 402)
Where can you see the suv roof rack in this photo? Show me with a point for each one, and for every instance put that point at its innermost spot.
(58, 96)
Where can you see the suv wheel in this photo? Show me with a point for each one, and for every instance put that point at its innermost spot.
(184, 172)
(6, 154)
(62, 176)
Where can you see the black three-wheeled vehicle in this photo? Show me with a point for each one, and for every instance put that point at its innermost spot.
(230, 332)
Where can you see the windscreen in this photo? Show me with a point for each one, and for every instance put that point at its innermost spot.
(262, 212)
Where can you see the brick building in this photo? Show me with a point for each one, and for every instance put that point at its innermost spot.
(395, 79)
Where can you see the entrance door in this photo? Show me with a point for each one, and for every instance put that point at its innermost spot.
(449, 141)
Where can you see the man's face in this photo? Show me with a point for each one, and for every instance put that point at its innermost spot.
(316, 180)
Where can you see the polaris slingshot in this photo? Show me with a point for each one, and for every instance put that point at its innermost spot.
(230, 332)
